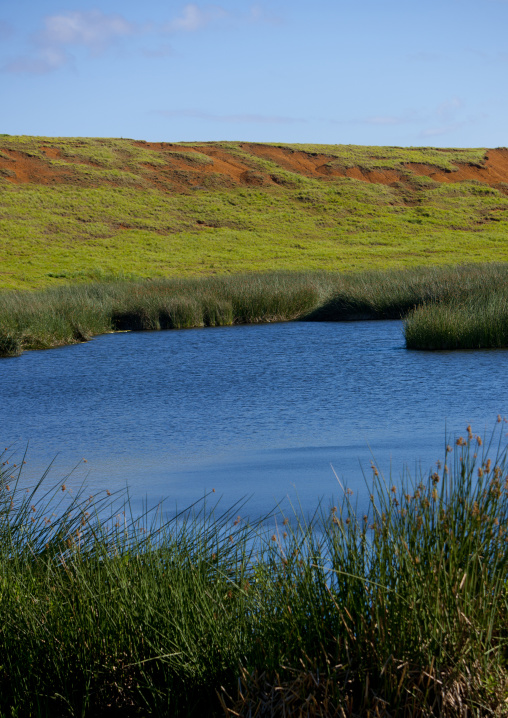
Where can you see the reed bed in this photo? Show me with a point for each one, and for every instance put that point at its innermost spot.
(478, 322)
(66, 315)
(400, 608)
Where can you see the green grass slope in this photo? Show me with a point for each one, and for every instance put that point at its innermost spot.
(81, 209)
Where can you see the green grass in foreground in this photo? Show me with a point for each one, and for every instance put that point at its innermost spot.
(398, 609)
(445, 307)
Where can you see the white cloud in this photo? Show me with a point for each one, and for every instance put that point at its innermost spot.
(194, 17)
(93, 30)
(53, 46)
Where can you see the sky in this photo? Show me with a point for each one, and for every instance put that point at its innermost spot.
(368, 72)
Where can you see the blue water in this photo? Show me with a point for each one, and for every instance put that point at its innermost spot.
(261, 411)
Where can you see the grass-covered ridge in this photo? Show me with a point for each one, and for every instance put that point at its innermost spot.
(73, 209)
(367, 157)
(397, 608)
(443, 307)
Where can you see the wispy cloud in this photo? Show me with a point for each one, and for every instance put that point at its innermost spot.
(46, 60)
(442, 129)
(449, 108)
(232, 119)
(53, 46)
(93, 30)
(410, 116)
(446, 118)
(259, 14)
(194, 18)
(443, 119)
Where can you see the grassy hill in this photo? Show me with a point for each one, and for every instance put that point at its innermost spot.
(75, 208)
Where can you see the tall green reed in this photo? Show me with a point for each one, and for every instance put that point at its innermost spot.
(475, 323)
(66, 315)
(397, 605)
(398, 610)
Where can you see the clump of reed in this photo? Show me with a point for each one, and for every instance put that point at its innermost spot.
(396, 608)
(104, 613)
(476, 323)
(66, 315)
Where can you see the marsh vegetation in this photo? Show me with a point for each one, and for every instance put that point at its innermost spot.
(444, 307)
(398, 608)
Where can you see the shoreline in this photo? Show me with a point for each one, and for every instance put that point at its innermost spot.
(451, 307)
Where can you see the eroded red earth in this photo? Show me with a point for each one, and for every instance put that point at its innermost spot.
(179, 172)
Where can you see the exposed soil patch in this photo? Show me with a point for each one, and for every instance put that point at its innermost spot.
(24, 168)
(52, 152)
(209, 166)
(494, 171)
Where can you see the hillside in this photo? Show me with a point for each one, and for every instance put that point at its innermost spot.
(74, 208)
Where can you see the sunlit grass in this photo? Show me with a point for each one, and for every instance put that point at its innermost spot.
(126, 209)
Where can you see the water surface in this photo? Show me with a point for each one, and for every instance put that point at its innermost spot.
(250, 410)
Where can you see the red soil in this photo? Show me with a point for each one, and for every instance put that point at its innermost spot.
(181, 174)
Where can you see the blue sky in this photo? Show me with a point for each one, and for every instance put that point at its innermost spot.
(377, 72)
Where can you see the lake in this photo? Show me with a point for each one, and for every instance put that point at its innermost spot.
(261, 411)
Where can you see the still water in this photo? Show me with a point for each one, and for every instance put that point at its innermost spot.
(260, 411)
